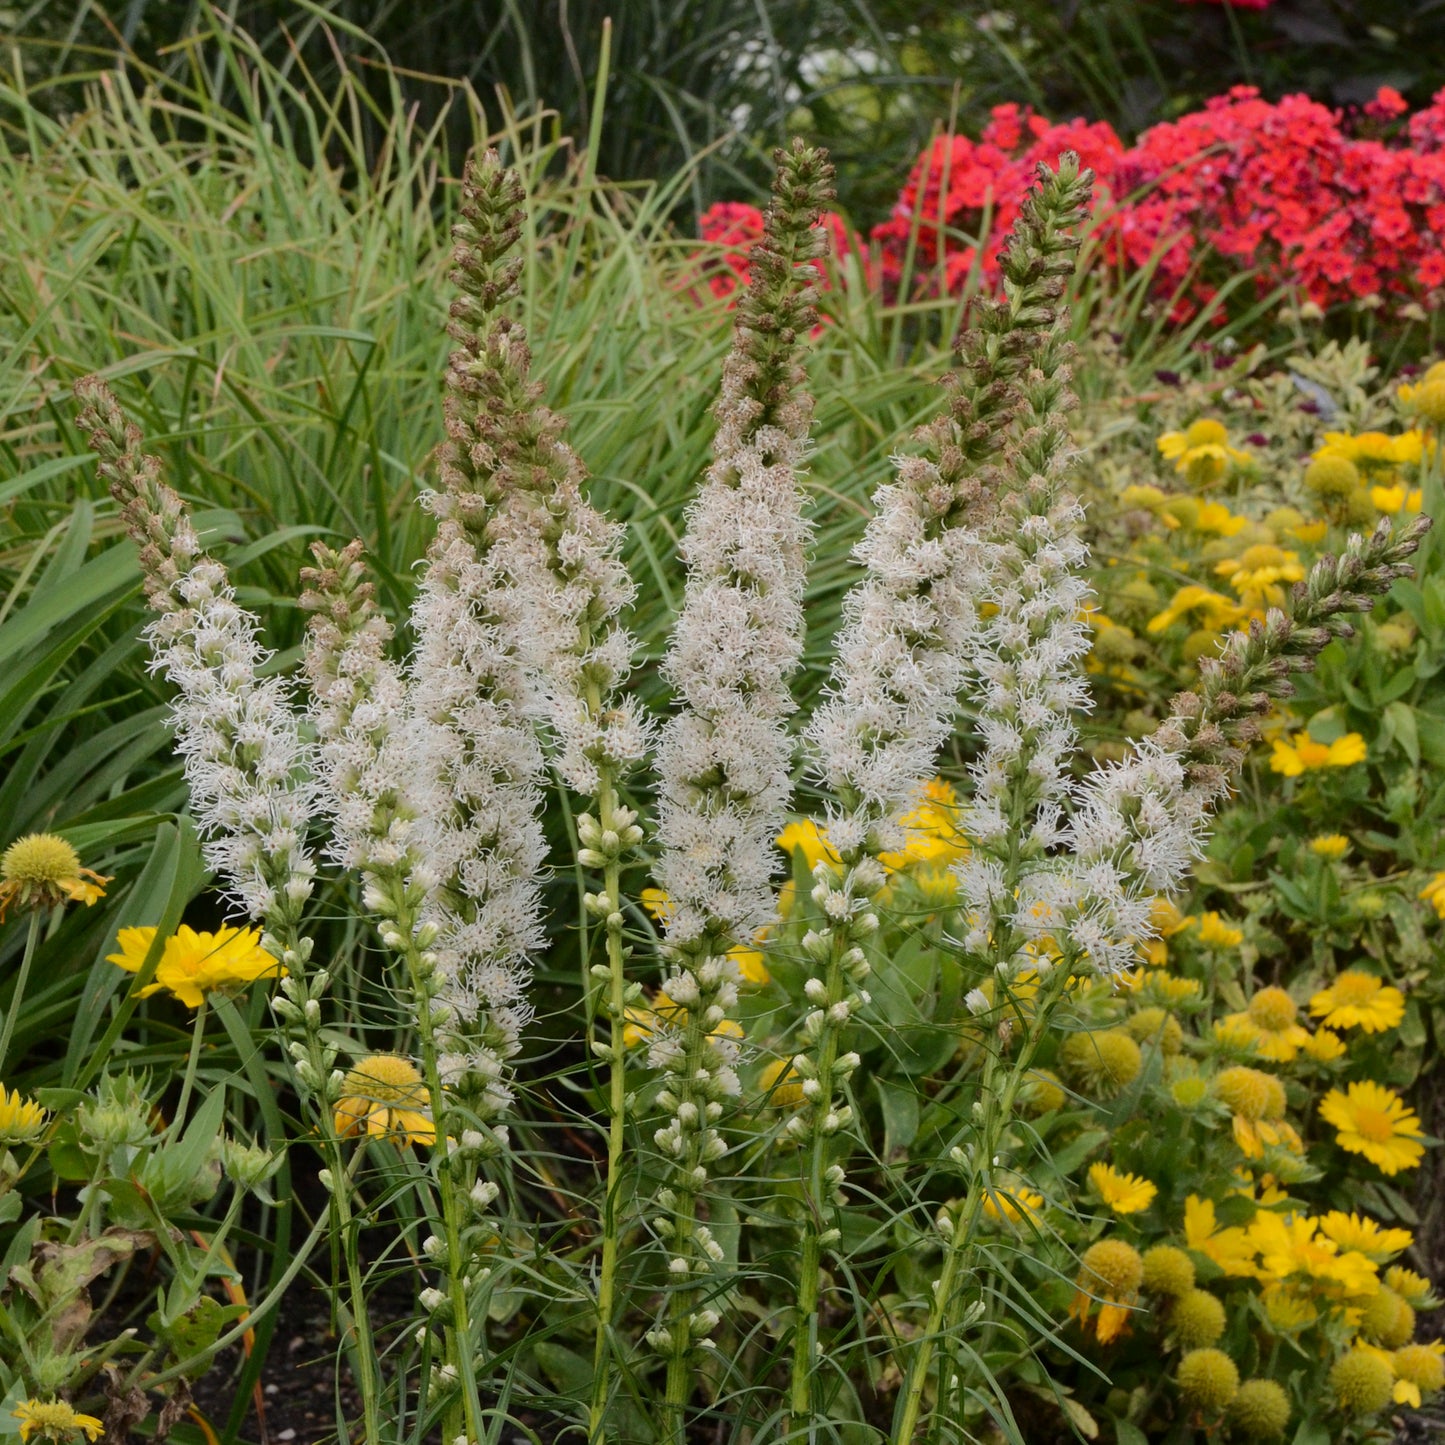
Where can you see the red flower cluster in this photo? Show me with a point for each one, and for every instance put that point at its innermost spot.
(1336, 211)
(735, 226)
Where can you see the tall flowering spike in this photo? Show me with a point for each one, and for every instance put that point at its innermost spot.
(1027, 650)
(724, 757)
(1138, 823)
(941, 542)
(248, 771)
(568, 575)
(356, 703)
(906, 644)
(475, 762)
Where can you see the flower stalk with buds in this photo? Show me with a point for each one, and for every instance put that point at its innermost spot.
(251, 782)
(724, 757)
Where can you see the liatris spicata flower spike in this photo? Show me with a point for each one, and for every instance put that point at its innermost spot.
(723, 762)
(911, 639)
(1138, 823)
(569, 586)
(476, 761)
(248, 771)
(356, 702)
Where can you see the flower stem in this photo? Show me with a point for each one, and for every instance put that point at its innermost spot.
(610, 907)
(188, 1079)
(7, 1030)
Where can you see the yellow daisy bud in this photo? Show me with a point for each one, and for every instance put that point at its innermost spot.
(1387, 1319)
(1197, 1319)
(1208, 1379)
(1168, 1271)
(1260, 1411)
(1104, 1062)
(1331, 475)
(1362, 1382)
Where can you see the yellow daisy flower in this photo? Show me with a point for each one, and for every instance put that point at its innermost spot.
(806, 836)
(42, 870)
(1434, 893)
(1258, 572)
(1361, 1233)
(54, 1420)
(1330, 845)
(1396, 499)
(1324, 1047)
(1301, 754)
(1413, 1288)
(1215, 932)
(1292, 1245)
(1216, 612)
(781, 1085)
(752, 965)
(1373, 1120)
(194, 964)
(932, 834)
(384, 1097)
(1359, 1000)
(21, 1119)
(1123, 1193)
(1012, 1206)
(1230, 1248)
(1202, 452)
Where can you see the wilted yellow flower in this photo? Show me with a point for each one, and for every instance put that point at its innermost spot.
(194, 964)
(1110, 1275)
(1293, 756)
(1123, 1193)
(1359, 1000)
(1373, 1120)
(1270, 1021)
(384, 1096)
(1330, 845)
(1362, 1381)
(1418, 1368)
(1202, 452)
(55, 1420)
(21, 1119)
(42, 870)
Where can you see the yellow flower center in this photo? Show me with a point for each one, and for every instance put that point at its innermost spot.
(1373, 1124)
(1206, 432)
(39, 858)
(386, 1079)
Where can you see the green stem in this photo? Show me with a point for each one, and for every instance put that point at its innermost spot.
(815, 1200)
(8, 1028)
(188, 1079)
(998, 1108)
(344, 1227)
(616, 1107)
